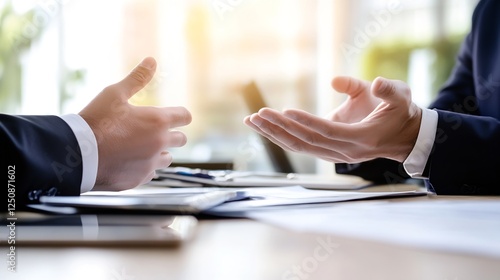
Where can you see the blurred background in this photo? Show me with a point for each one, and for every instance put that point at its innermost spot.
(56, 55)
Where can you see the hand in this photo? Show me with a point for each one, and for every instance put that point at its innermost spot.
(132, 141)
(359, 104)
(377, 121)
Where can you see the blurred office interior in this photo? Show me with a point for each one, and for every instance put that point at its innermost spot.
(56, 55)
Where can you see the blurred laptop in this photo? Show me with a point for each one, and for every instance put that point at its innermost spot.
(255, 101)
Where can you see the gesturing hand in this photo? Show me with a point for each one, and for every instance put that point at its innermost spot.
(359, 104)
(132, 141)
(377, 120)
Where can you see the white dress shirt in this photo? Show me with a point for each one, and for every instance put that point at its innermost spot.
(417, 159)
(88, 147)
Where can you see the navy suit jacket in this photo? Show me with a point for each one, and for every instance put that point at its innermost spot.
(466, 154)
(39, 155)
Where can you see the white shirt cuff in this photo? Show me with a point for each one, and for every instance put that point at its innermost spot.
(416, 161)
(88, 147)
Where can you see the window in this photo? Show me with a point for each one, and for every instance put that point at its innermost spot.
(208, 49)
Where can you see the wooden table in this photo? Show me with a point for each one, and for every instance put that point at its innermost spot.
(246, 249)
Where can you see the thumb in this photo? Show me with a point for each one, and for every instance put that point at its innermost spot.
(138, 78)
(391, 91)
(350, 86)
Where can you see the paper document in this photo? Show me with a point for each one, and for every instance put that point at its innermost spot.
(268, 198)
(456, 226)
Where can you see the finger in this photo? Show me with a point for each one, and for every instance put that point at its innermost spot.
(138, 78)
(350, 86)
(247, 122)
(256, 122)
(253, 122)
(171, 116)
(326, 128)
(288, 141)
(175, 139)
(391, 91)
(179, 116)
(161, 160)
(165, 160)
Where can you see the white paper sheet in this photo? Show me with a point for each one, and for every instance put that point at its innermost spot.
(457, 226)
(269, 198)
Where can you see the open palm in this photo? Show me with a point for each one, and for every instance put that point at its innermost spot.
(359, 104)
(377, 120)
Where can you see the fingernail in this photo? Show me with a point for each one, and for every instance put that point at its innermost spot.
(148, 63)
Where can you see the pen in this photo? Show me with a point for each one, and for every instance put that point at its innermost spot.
(194, 174)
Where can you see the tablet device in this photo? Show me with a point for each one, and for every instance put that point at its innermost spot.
(178, 203)
(31, 229)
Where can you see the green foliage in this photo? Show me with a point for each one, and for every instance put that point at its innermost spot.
(17, 33)
(392, 60)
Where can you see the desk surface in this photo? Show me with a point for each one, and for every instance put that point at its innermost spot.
(245, 249)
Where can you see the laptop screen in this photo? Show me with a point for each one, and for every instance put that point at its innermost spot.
(255, 101)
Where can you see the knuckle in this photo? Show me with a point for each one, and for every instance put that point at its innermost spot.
(111, 89)
(390, 89)
(140, 75)
(157, 144)
(159, 119)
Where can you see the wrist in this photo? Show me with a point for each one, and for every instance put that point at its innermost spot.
(409, 134)
(92, 122)
(88, 148)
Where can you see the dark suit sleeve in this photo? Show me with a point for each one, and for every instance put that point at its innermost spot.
(466, 154)
(379, 171)
(39, 156)
(458, 93)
